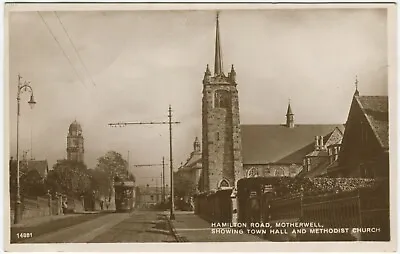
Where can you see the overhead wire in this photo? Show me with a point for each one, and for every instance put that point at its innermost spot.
(75, 49)
(59, 44)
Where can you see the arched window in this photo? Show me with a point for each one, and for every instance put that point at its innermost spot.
(223, 183)
(280, 172)
(253, 172)
(222, 99)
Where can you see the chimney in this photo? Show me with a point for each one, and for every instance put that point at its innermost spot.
(321, 143)
(316, 145)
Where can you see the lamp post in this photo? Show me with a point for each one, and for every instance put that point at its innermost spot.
(21, 88)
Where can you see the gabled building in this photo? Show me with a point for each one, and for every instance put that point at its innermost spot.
(325, 153)
(365, 146)
(285, 150)
(191, 169)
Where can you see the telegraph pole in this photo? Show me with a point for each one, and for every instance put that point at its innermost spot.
(163, 181)
(127, 170)
(170, 123)
(172, 215)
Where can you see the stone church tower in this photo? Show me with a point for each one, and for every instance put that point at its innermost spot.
(222, 159)
(75, 148)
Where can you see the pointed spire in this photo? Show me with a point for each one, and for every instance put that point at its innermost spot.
(233, 69)
(289, 110)
(218, 68)
(207, 75)
(356, 92)
(289, 117)
(208, 72)
(232, 74)
(196, 145)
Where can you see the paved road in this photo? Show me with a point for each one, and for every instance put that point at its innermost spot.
(115, 227)
(140, 227)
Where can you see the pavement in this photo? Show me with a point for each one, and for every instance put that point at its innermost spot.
(191, 228)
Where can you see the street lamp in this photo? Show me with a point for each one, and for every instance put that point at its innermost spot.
(21, 88)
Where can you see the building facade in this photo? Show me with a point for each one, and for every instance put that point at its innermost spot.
(364, 151)
(75, 147)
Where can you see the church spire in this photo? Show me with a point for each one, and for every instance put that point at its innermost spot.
(356, 92)
(218, 68)
(289, 117)
(196, 145)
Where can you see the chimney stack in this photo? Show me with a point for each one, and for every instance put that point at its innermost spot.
(321, 143)
(316, 145)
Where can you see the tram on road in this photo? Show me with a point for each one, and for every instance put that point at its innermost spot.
(124, 196)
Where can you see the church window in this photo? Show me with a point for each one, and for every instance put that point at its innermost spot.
(221, 99)
(223, 183)
(252, 172)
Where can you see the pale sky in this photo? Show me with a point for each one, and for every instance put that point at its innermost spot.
(143, 61)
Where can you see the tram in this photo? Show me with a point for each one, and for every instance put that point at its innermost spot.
(124, 195)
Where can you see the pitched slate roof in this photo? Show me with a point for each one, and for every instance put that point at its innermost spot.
(262, 144)
(376, 110)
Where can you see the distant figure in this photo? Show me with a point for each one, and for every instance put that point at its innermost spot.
(64, 206)
(102, 204)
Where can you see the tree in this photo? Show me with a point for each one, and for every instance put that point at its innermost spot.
(32, 184)
(184, 186)
(69, 177)
(100, 181)
(114, 165)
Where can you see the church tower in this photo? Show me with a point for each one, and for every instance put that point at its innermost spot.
(75, 148)
(221, 144)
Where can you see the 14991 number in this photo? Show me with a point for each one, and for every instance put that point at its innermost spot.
(24, 235)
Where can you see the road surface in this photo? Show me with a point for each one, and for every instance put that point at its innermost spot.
(138, 226)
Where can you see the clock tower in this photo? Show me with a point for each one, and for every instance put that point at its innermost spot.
(75, 149)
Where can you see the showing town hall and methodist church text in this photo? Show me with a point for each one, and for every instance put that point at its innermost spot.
(189, 123)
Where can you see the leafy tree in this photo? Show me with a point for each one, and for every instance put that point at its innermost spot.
(184, 186)
(113, 165)
(32, 184)
(69, 177)
(99, 182)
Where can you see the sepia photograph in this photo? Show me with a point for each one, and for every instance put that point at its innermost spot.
(185, 123)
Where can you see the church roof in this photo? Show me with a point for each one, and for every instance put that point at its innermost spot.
(375, 108)
(262, 144)
(193, 160)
